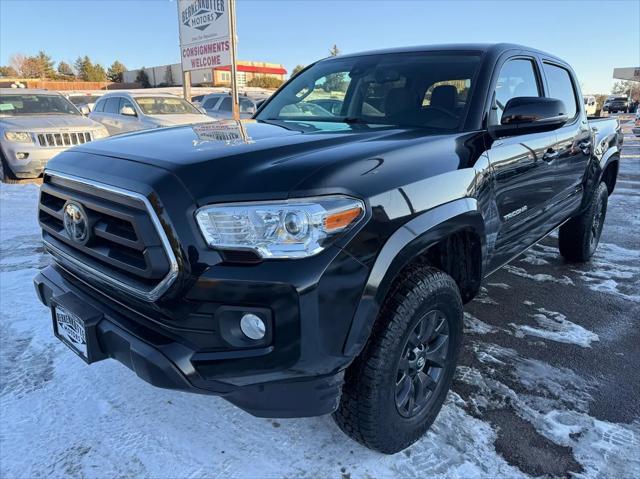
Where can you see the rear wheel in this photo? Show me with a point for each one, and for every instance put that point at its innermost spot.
(394, 390)
(579, 237)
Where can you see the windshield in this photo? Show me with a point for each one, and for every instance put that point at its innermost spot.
(423, 89)
(83, 100)
(20, 105)
(155, 105)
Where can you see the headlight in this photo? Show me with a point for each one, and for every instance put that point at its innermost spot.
(295, 228)
(18, 136)
(101, 133)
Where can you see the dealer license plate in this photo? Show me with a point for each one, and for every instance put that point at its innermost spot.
(71, 331)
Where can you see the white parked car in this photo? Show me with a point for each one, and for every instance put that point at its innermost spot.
(35, 125)
(590, 104)
(122, 112)
(218, 105)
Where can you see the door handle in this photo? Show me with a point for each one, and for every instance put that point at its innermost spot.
(550, 155)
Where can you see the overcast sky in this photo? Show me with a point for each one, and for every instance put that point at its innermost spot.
(594, 36)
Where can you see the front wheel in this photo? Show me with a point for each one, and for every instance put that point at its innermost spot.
(394, 390)
(579, 237)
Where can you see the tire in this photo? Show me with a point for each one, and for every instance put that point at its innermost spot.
(579, 237)
(424, 305)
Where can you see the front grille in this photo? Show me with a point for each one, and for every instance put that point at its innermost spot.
(126, 244)
(64, 138)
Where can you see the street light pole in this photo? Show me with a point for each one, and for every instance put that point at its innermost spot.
(234, 73)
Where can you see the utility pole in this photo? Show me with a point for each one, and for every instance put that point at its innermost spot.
(234, 73)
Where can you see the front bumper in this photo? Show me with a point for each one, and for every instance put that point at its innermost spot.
(299, 374)
(36, 158)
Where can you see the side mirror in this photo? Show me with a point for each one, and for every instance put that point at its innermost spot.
(525, 114)
(84, 109)
(128, 111)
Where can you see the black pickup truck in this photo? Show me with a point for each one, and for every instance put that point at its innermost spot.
(311, 260)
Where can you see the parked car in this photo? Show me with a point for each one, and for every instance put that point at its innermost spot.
(84, 101)
(36, 125)
(218, 105)
(122, 112)
(590, 105)
(616, 104)
(197, 100)
(305, 265)
(636, 124)
(331, 105)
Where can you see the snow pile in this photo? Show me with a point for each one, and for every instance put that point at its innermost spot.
(555, 327)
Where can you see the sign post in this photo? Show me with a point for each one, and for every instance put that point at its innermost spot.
(186, 85)
(208, 41)
(235, 101)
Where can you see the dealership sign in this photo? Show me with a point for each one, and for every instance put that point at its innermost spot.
(629, 73)
(204, 34)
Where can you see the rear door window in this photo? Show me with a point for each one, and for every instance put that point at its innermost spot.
(561, 87)
(225, 105)
(112, 105)
(517, 78)
(210, 103)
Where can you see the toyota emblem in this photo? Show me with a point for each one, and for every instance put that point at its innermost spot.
(76, 223)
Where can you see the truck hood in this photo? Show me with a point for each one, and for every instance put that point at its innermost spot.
(249, 160)
(184, 119)
(48, 122)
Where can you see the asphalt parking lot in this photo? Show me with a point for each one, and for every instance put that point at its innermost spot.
(548, 383)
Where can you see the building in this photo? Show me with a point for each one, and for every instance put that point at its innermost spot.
(219, 76)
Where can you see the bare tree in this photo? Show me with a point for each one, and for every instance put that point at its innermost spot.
(16, 61)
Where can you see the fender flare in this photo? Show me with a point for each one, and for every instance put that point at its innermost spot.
(409, 241)
(612, 156)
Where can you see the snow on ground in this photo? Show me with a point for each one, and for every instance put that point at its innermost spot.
(555, 327)
(521, 405)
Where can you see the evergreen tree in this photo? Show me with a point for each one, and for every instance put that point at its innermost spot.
(8, 71)
(83, 65)
(116, 71)
(45, 65)
(65, 71)
(143, 78)
(297, 69)
(96, 73)
(168, 76)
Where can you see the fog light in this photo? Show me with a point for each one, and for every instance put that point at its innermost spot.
(252, 326)
(22, 156)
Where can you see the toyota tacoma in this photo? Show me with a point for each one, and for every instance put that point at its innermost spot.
(312, 261)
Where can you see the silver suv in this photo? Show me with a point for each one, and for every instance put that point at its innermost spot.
(122, 112)
(218, 105)
(35, 125)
